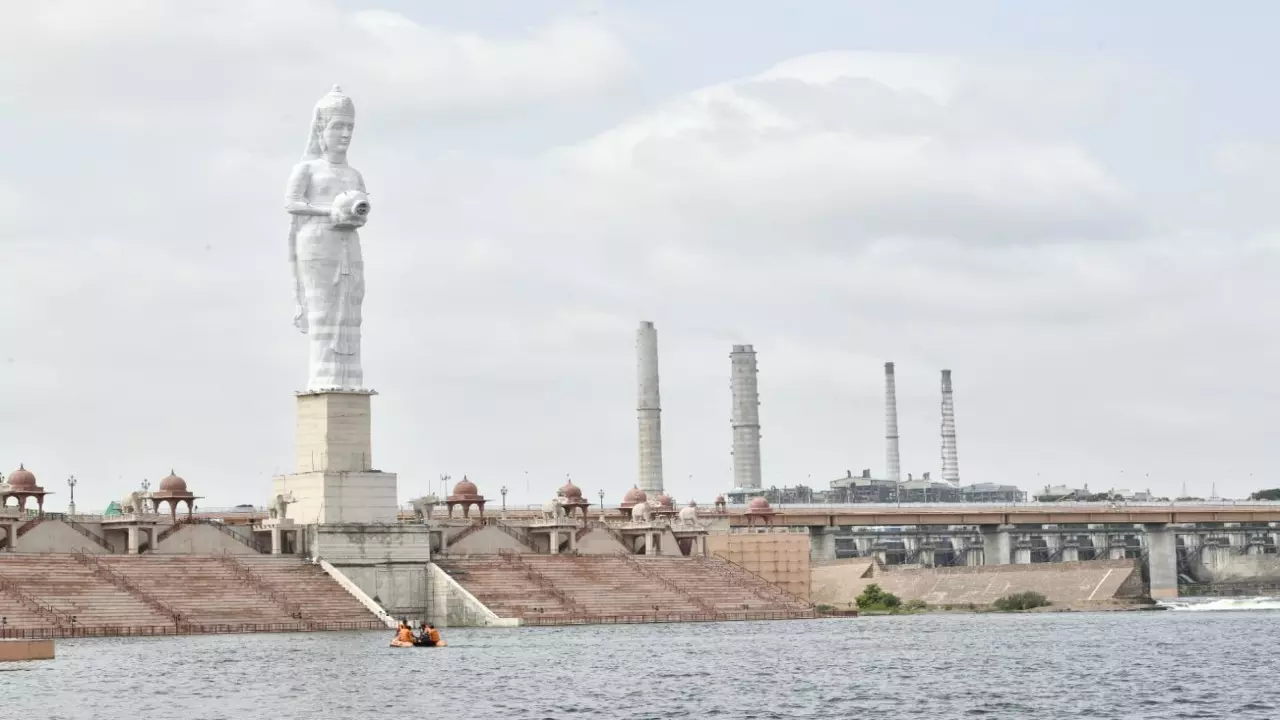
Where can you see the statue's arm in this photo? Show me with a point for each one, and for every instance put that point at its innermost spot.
(296, 197)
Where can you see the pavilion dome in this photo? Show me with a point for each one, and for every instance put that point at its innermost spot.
(665, 501)
(466, 487)
(693, 503)
(173, 484)
(719, 498)
(758, 504)
(22, 479)
(634, 496)
(571, 491)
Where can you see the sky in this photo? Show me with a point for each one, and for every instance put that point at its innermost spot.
(1067, 204)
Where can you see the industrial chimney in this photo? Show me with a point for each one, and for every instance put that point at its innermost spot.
(746, 417)
(950, 461)
(893, 470)
(649, 410)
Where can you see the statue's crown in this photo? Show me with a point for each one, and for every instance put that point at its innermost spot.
(336, 103)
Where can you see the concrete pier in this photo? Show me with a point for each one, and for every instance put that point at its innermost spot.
(997, 546)
(1162, 561)
(16, 650)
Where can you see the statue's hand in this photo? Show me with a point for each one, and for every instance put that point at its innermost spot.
(300, 317)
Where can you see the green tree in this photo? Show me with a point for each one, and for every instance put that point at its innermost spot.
(1021, 601)
(1272, 494)
(873, 597)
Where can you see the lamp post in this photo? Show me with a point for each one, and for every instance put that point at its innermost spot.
(71, 506)
(602, 506)
(504, 501)
(146, 485)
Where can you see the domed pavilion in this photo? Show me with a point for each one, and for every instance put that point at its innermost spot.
(173, 490)
(465, 494)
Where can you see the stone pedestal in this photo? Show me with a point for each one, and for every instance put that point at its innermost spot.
(335, 480)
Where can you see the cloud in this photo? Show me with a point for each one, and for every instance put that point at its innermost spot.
(836, 150)
(150, 62)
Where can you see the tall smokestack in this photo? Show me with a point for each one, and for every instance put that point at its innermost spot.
(893, 469)
(649, 410)
(950, 461)
(746, 417)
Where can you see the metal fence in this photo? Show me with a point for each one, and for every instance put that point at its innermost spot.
(160, 630)
(668, 618)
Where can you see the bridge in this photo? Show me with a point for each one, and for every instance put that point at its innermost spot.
(953, 514)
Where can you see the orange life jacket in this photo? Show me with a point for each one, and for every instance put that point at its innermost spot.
(405, 634)
(433, 635)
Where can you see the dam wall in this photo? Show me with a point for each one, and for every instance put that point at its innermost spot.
(839, 582)
(1221, 565)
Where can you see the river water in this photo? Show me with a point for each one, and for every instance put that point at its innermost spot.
(1206, 664)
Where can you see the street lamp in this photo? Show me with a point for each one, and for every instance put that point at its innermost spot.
(504, 500)
(602, 505)
(146, 485)
(71, 507)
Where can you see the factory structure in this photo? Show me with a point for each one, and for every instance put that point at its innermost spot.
(748, 482)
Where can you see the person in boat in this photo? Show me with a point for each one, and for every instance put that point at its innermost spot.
(404, 633)
(430, 636)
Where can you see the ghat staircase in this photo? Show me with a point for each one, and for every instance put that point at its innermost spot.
(570, 589)
(79, 593)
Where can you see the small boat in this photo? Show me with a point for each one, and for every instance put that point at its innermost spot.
(400, 644)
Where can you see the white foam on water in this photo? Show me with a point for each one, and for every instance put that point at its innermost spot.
(1218, 604)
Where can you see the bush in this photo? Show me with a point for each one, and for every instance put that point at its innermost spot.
(874, 598)
(1020, 601)
(915, 605)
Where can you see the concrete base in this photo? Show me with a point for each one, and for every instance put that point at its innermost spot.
(335, 431)
(387, 562)
(340, 497)
(15, 650)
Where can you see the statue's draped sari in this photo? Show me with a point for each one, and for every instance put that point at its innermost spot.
(327, 263)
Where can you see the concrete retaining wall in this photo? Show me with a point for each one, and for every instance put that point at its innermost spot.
(55, 536)
(202, 540)
(1078, 583)
(16, 650)
(452, 605)
(781, 558)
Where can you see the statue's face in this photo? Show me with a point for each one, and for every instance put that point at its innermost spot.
(336, 134)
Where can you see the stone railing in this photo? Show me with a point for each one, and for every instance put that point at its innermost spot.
(93, 537)
(668, 583)
(260, 585)
(524, 540)
(220, 527)
(115, 577)
(469, 530)
(29, 525)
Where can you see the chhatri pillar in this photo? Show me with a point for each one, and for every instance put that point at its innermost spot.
(465, 494)
(759, 509)
(22, 487)
(572, 499)
(173, 490)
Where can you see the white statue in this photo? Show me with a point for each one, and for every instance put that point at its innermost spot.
(641, 512)
(689, 516)
(280, 505)
(553, 509)
(135, 503)
(327, 200)
(423, 506)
